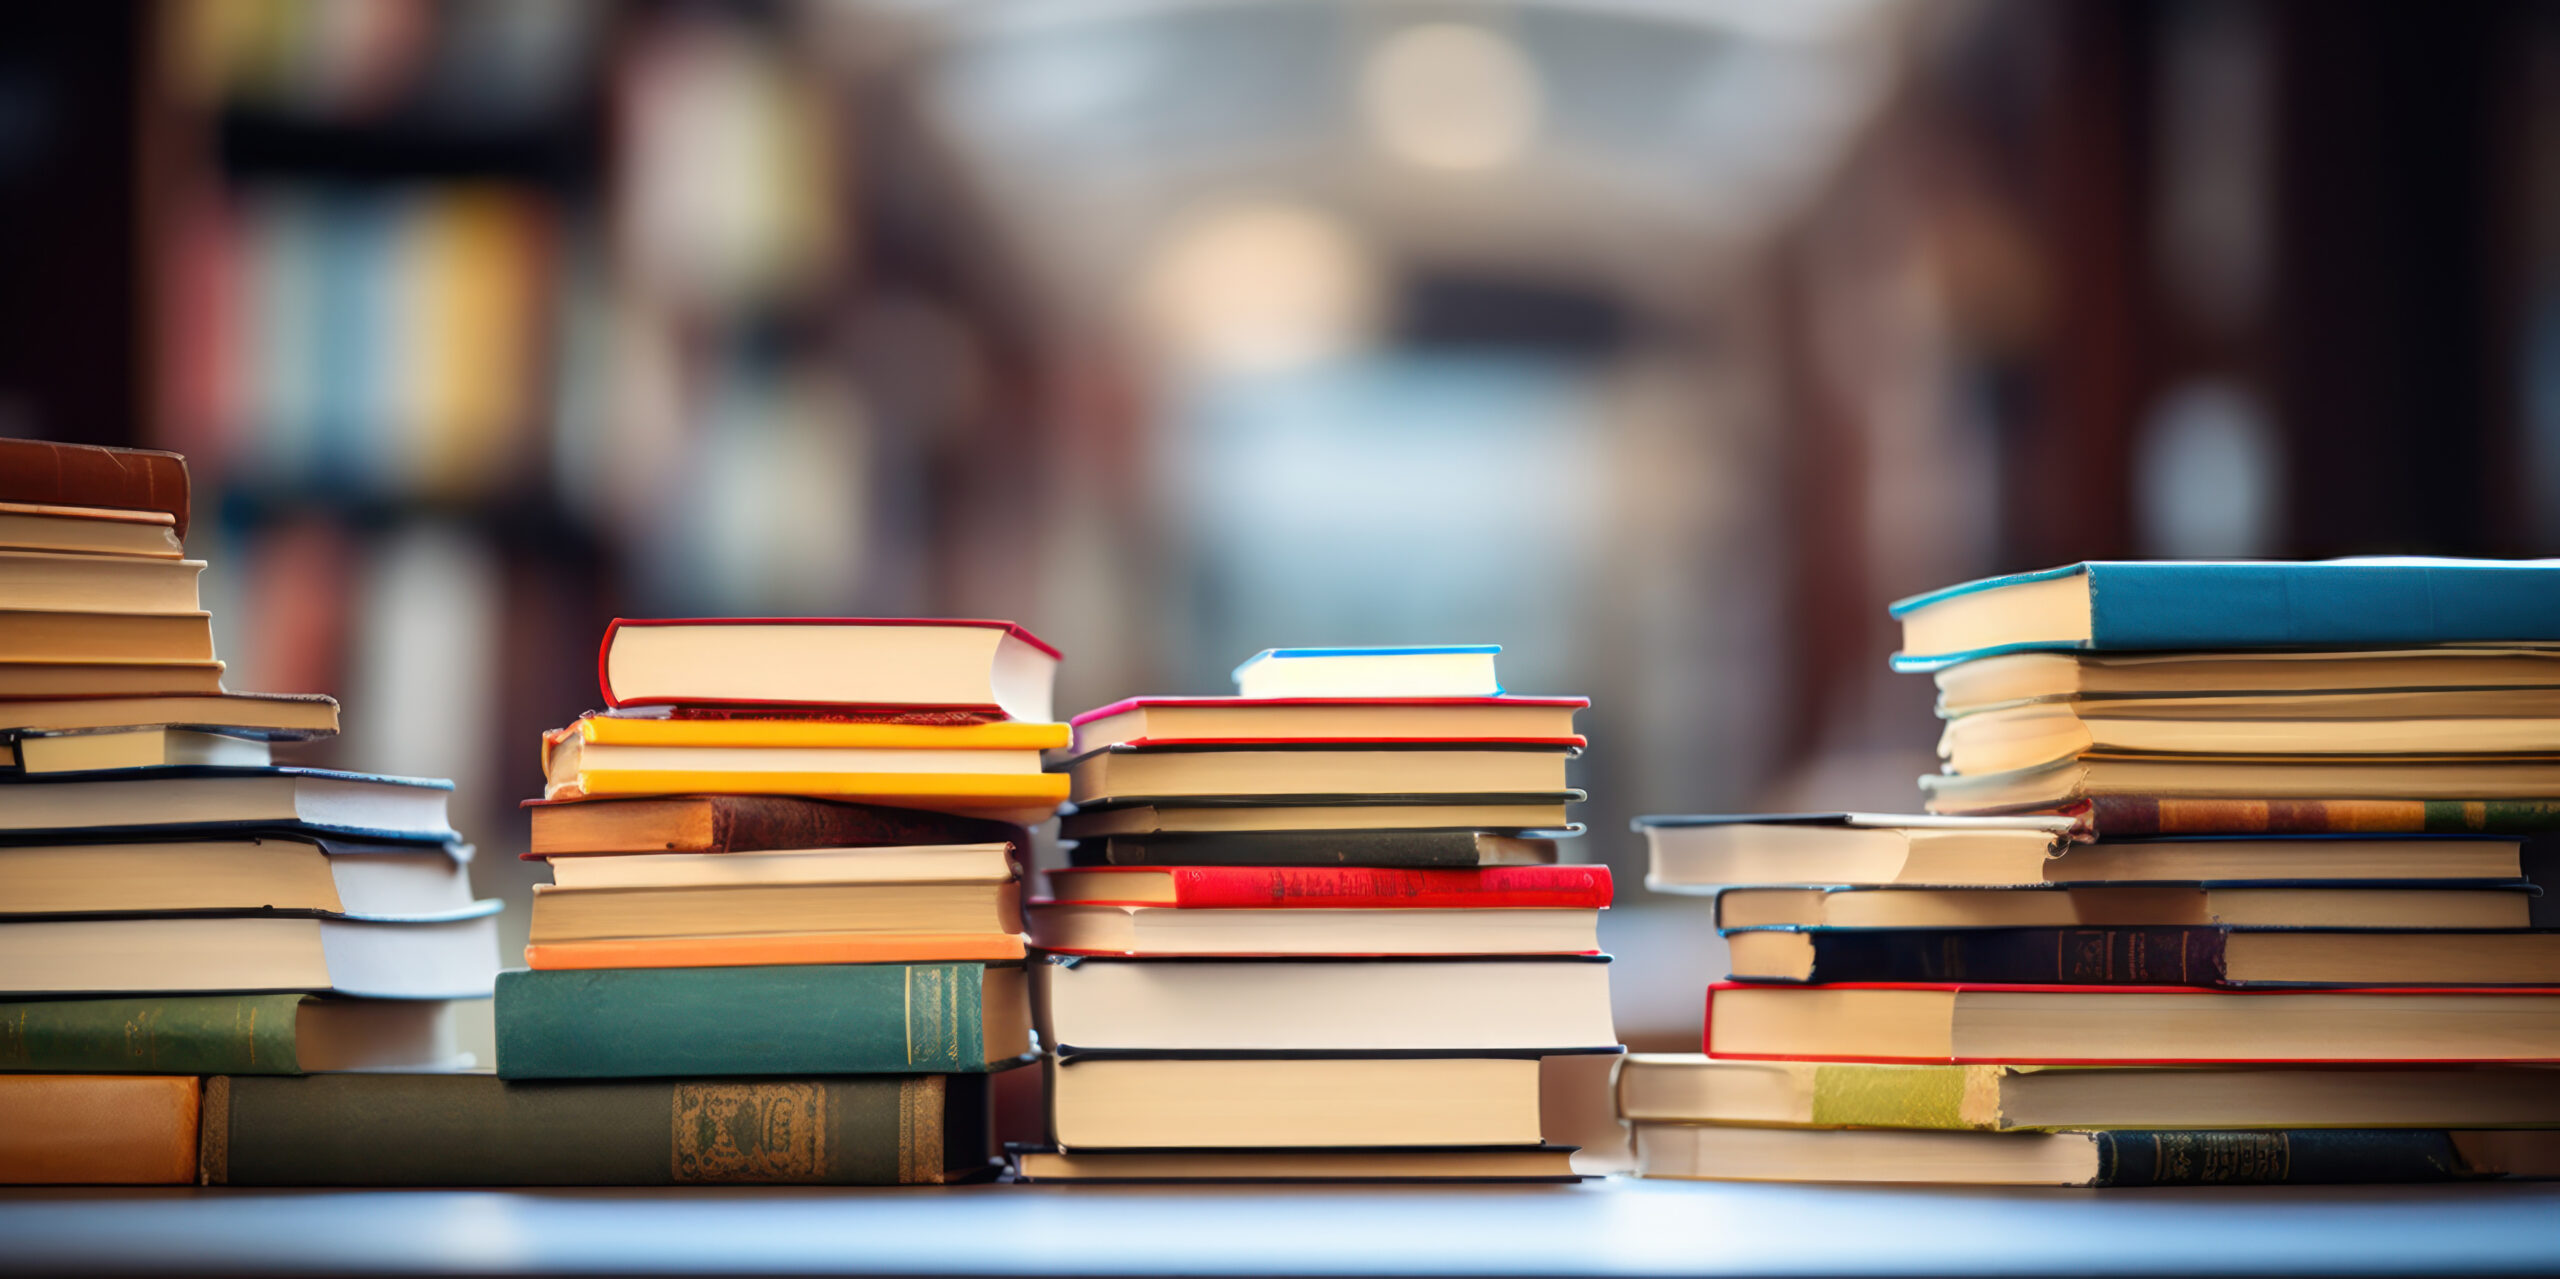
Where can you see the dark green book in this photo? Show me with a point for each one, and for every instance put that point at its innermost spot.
(223, 1035)
(478, 1130)
(817, 1019)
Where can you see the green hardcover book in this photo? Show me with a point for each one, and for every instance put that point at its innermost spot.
(818, 1019)
(478, 1130)
(224, 1035)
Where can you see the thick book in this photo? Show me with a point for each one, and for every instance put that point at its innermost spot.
(307, 799)
(1077, 929)
(2032, 677)
(2299, 1157)
(89, 530)
(1355, 1164)
(1155, 1103)
(2438, 778)
(479, 1130)
(1212, 887)
(449, 956)
(1299, 1007)
(2130, 1025)
(248, 1034)
(47, 473)
(73, 1130)
(734, 910)
(1416, 670)
(269, 716)
(239, 873)
(2279, 905)
(1704, 853)
(1023, 795)
(746, 823)
(2110, 817)
(84, 752)
(828, 661)
(1453, 848)
(1128, 773)
(1213, 815)
(744, 732)
(2382, 727)
(1688, 1088)
(1177, 719)
(835, 1019)
(37, 680)
(992, 863)
(98, 583)
(2215, 604)
(49, 636)
(2223, 956)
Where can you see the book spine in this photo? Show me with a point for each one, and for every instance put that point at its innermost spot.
(1935, 1097)
(2167, 605)
(475, 1130)
(51, 474)
(2307, 1157)
(751, 823)
(2132, 816)
(823, 1019)
(2157, 956)
(1569, 887)
(165, 1035)
(97, 1129)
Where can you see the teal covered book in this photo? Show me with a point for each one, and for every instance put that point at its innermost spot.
(2134, 605)
(818, 1019)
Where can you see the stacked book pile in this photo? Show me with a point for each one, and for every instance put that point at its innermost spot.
(2243, 845)
(173, 904)
(783, 941)
(1317, 930)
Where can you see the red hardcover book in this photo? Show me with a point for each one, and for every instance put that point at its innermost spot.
(2130, 1025)
(46, 473)
(828, 662)
(1335, 887)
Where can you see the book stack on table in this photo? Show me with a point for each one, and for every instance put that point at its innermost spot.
(2227, 880)
(173, 903)
(1317, 931)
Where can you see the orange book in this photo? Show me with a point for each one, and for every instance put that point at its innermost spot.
(98, 1129)
(754, 951)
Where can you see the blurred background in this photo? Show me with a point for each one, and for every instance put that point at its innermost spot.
(1661, 341)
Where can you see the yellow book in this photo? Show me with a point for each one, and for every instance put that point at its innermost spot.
(620, 731)
(1014, 797)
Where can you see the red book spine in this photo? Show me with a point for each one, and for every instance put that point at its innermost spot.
(1357, 887)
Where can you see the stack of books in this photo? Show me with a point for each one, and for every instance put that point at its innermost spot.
(2243, 845)
(173, 904)
(1317, 931)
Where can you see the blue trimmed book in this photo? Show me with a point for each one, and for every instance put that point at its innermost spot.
(2132, 605)
(1408, 671)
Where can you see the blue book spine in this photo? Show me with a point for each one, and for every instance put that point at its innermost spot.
(2303, 1157)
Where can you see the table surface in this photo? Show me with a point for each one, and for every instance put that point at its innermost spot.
(1616, 1227)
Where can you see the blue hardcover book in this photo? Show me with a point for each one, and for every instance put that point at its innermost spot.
(2122, 605)
(1421, 670)
(124, 800)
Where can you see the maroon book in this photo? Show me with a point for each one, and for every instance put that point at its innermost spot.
(45, 473)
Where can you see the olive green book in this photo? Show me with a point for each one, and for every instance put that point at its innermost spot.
(283, 1034)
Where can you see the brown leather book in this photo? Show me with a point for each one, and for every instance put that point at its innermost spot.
(53, 474)
(72, 1130)
(746, 823)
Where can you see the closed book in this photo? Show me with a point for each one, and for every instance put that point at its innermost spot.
(1213, 815)
(1455, 847)
(1071, 928)
(478, 1130)
(2455, 778)
(40, 679)
(98, 583)
(2161, 956)
(204, 798)
(48, 473)
(1212, 887)
(1310, 770)
(2102, 1159)
(832, 1019)
(1178, 719)
(750, 950)
(828, 661)
(2501, 721)
(747, 823)
(97, 1129)
(88, 530)
(82, 752)
(1316, 1006)
(2400, 907)
(1275, 1164)
(255, 1034)
(2026, 677)
(273, 716)
(1155, 1103)
(2130, 1025)
(241, 873)
(448, 956)
(49, 635)
(1413, 670)
(1688, 1088)
(2171, 604)
(2147, 816)
(1706, 852)
(606, 914)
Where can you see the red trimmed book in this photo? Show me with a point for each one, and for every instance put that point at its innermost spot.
(2130, 1025)
(828, 662)
(1164, 720)
(1335, 887)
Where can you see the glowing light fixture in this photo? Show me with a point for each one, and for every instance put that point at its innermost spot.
(1449, 95)
(1256, 285)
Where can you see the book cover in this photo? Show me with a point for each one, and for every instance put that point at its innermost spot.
(620, 698)
(827, 1019)
(2301, 1157)
(1347, 887)
(97, 1129)
(47, 473)
(2217, 604)
(2116, 817)
(478, 1130)
(747, 823)
(1420, 848)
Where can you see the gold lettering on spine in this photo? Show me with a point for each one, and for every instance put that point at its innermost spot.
(920, 1130)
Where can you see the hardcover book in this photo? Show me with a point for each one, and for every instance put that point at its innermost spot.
(822, 662)
(835, 1019)
(2134, 605)
(1443, 670)
(2214, 1158)
(1211, 887)
(97, 1129)
(2221, 956)
(1454, 848)
(478, 1130)
(89, 530)
(47, 473)
(746, 823)
(1180, 719)
(202, 798)
(248, 1034)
